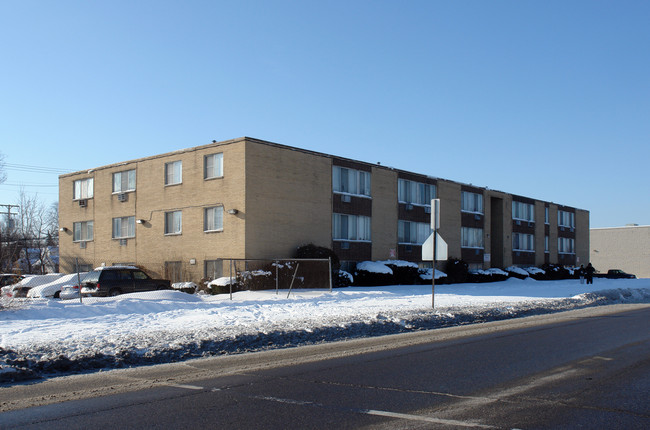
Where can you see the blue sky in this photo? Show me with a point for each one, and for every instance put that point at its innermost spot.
(546, 99)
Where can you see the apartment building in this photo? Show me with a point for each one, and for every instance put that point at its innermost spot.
(247, 198)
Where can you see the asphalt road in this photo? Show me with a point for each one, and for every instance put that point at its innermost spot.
(580, 369)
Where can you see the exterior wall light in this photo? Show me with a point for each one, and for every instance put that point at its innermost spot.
(140, 221)
(233, 211)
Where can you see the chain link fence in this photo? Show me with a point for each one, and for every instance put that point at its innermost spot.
(80, 279)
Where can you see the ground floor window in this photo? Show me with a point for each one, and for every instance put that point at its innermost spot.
(350, 227)
(213, 269)
(566, 245)
(413, 233)
(471, 237)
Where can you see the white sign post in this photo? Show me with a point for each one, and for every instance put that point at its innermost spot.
(435, 225)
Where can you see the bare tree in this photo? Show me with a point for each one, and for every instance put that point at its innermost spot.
(35, 227)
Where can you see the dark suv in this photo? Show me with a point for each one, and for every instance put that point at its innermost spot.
(115, 280)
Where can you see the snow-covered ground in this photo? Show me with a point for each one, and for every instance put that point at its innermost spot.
(44, 337)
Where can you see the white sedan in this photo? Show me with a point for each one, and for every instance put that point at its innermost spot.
(53, 289)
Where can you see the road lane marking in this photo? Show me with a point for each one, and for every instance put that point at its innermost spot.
(187, 387)
(375, 412)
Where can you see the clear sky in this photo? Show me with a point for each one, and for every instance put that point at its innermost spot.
(547, 99)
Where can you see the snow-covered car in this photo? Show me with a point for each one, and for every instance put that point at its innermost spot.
(21, 288)
(7, 279)
(53, 289)
(69, 292)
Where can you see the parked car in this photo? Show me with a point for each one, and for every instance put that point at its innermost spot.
(53, 289)
(69, 292)
(615, 274)
(21, 288)
(115, 280)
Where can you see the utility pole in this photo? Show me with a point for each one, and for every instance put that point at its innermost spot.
(9, 215)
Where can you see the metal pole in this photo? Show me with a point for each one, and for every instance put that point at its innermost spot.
(329, 260)
(230, 279)
(293, 279)
(277, 289)
(76, 263)
(433, 274)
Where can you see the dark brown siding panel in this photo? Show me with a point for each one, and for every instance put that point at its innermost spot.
(521, 257)
(567, 259)
(359, 251)
(356, 205)
(523, 227)
(472, 220)
(409, 252)
(416, 213)
(471, 255)
(349, 164)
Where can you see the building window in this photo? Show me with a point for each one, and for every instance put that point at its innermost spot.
(413, 233)
(415, 193)
(546, 244)
(173, 222)
(471, 202)
(213, 166)
(213, 269)
(351, 227)
(523, 211)
(124, 181)
(213, 219)
(83, 189)
(471, 237)
(124, 227)
(547, 218)
(350, 181)
(523, 242)
(82, 231)
(566, 219)
(566, 245)
(173, 172)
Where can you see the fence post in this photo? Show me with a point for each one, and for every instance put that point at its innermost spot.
(329, 261)
(76, 264)
(276, 278)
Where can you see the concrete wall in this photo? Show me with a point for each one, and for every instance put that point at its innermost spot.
(625, 248)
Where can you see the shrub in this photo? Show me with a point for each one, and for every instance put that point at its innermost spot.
(556, 272)
(404, 272)
(313, 273)
(457, 271)
(516, 272)
(342, 279)
(368, 274)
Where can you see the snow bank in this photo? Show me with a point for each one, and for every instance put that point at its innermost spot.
(50, 337)
(374, 267)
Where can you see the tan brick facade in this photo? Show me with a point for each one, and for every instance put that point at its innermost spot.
(280, 198)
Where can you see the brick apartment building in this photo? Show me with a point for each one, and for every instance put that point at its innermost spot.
(248, 198)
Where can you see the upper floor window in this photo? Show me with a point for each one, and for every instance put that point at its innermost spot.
(82, 231)
(213, 166)
(124, 227)
(566, 245)
(173, 222)
(547, 218)
(83, 189)
(471, 237)
(415, 192)
(213, 219)
(414, 233)
(471, 202)
(523, 242)
(350, 227)
(124, 181)
(523, 211)
(173, 172)
(350, 181)
(566, 219)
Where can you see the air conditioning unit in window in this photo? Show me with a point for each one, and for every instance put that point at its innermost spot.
(409, 207)
(82, 245)
(518, 222)
(477, 217)
(123, 242)
(531, 224)
(561, 228)
(122, 197)
(427, 209)
(83, 203)
(571, 229)
(345, 245)
(346, 199)
(408, 248)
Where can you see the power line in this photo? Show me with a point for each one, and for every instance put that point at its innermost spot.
(35, 169)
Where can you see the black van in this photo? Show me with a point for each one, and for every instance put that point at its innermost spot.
(115, 280)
